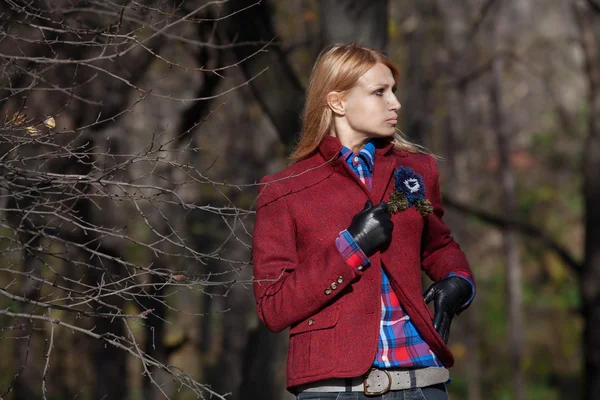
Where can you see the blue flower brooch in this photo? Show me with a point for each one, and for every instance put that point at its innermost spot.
(409, 191)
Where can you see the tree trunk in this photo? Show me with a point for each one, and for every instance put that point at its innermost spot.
(23, 356)
(511, 245)
(361, 21)
(263, 358)
(154, 328)
(459, 180)
(109, 363)
(588, 17)
(455, 24)
(277, 89)
(418, 104)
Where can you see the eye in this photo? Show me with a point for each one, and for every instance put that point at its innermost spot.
(379, 92)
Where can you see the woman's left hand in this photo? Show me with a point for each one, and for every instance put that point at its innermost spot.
(449, 295)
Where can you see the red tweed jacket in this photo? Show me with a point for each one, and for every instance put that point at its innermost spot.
(301, 211)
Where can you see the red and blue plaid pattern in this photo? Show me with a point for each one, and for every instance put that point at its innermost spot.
(350, 250)
(400, 344)
(361, 163)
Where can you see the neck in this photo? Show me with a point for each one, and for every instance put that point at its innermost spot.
(348, 137)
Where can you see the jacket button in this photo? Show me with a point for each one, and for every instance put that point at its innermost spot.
(334, 285)
(340, 279)
(328, 291)
(360, 268)
(311, 321)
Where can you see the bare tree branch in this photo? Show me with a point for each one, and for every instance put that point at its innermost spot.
(525, 228)
(94, 199)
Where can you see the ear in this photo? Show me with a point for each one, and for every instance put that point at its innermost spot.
(335, 101)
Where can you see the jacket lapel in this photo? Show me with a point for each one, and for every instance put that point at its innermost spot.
(382, 173)
(330, 148)
(357, 180)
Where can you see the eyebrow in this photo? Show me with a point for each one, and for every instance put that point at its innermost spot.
(381, 84)
(385, 85)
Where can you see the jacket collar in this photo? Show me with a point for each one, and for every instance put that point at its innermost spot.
(331, 146)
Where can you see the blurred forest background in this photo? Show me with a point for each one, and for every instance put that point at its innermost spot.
(132, 137)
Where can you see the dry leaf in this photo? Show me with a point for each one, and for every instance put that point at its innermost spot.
(32, 130)
(50, 122)
(17, 119)
(179, 278)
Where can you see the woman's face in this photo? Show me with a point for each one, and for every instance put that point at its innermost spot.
(371, 105)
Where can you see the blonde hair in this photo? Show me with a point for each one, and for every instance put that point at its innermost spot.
(338, 69)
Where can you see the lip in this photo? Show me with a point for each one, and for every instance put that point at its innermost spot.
(393, 119)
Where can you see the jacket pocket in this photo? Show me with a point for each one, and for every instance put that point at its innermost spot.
(312, 344)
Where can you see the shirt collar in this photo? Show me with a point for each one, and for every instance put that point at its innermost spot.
(367, 154)
(330, 147)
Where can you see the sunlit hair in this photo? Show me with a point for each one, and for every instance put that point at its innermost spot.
(338, 69)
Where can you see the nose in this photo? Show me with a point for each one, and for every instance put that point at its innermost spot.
(394, 103)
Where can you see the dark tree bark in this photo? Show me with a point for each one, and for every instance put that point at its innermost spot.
(456, 143)
(110, 363)
(458, 179)
(361, 21)
(154, 328)
(456, 33)
(514, 297)
(588, 17)
(22, 357)
(198, 110)
(277, 89)
(418, 104)
(264, 359)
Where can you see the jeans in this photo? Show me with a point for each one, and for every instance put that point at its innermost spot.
(434, 392)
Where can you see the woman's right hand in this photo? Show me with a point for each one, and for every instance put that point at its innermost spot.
(372, 227)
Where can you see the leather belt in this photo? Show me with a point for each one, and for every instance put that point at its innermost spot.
(380, 381)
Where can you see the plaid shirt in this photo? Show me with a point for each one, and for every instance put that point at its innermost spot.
(400, 344)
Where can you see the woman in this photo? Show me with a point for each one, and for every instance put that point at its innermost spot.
(341, 236)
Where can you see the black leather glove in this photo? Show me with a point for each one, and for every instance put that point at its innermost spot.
(449, 295)
(372, 227)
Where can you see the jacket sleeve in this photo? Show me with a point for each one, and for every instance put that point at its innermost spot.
(441, 255)
(288, 287)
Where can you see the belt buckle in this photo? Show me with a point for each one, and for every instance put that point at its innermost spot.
(380, 392)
